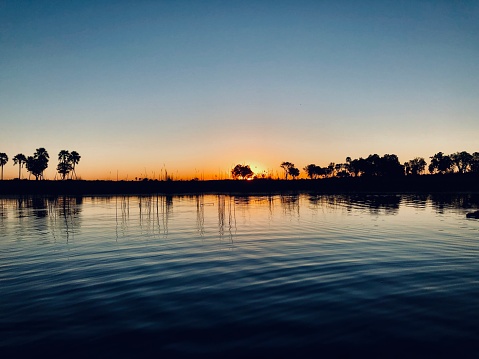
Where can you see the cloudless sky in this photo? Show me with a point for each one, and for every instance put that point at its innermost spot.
(195, 87)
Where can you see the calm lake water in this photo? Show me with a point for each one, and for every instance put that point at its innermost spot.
(220, 275)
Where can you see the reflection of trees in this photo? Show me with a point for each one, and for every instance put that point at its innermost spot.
(418, 201)
(28, 211)
(390, 204)
(39, 206)
(242, 200)
(331, 202)
(440, 202)
(314, 199)
(57, 215)
(376, 204)
(290, 204)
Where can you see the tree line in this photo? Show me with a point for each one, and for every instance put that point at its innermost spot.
(375, 165)
(387, 165)
(38, 163)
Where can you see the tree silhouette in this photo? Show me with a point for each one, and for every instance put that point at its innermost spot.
(286, 167)
(294, 172)
(389, 166)
(372, 166)
(330, 169)
(34, 167)
(313, 171)
(74, 159)
(63, 156)
(19, 159)
(3, 161)
(475, 162)
(38, 163)
(240, 171)
(348, 167)
(342, 170)
(440, 163)
(415, 166)
(348, 160)
(64, 166)
(358, 167)
(354, 166)
(462, 160)
(42, 155)
(64, 169)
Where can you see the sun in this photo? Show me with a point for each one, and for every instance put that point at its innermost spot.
(258, 169)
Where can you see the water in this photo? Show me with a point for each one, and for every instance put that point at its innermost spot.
(216, 276)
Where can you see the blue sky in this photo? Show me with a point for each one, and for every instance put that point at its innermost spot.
(198, 86)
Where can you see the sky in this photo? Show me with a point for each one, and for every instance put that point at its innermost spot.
(196, 87)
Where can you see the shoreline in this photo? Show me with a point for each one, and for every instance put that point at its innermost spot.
(452, 183)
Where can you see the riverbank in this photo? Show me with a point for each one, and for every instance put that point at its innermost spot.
(426, 183)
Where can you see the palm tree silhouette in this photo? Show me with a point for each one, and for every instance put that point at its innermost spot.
(19, 159)
(33, 167)
(63, 155)
(3, 161)
(74, 159)
(64, 167)
(42, 157)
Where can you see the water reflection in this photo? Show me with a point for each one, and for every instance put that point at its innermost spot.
(290, 205)
(153, 214)
(389, 204)
(39, 206)
(418, 201)
(61, 217)
(166, 207)
(375, 204)
(441, 202)
(3, 214)
(64, 215)
(122, 214)
(200, 214)
(226, 216)
(302, 268)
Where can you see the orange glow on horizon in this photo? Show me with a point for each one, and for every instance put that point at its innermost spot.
(123, 168)
(133, 173)
(85, 171)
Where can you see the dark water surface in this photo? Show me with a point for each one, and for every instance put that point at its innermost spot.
(223, 276)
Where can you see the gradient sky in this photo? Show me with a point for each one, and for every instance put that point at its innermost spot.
(198, 86)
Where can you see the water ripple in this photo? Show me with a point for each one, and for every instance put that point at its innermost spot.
(241, 275)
